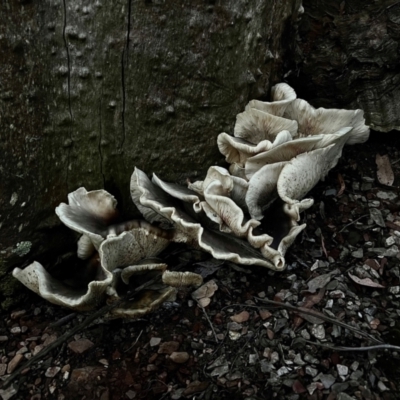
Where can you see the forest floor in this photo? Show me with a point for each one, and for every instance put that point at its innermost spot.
(345, 267)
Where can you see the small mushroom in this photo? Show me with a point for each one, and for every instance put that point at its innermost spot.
(282, 95)
(255, 126)
(323, 121)
(287, 151)
(89, 213)
(36, 278)
(237, 150)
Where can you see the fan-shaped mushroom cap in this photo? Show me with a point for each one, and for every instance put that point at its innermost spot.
(130, 247)
(255, 126)
(88, 213)
(302, 173)
(237, 150)
(282, 95)
(322, 121)
(179, 192)
(287, 151)
(262, 189)
(221, 246)
(36, 278)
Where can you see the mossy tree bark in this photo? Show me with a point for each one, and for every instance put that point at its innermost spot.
(88, 90)
(347, 56)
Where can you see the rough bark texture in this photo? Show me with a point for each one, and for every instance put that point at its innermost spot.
(347, 56)
(91, 89)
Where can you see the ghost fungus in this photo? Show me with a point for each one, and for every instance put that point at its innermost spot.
(282, 96)
(130, 247)
(237, 150)
(36, 278)
(218, 197)
(88, 213)
(324, 121)
(290, 149)
(255, 126)
(302, 173)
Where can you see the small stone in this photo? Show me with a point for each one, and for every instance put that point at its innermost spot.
(241, 317)
(155, 341)
(3, 338)
(49, 340)
(253, 359)
(340, 387)
(264, 314)
(130, 394)
(298, 361)
(327, 380)
(344, 396)
(283, 371)
(390, 241)
(151, 368)
(104, 362)
(337, 294)
(80, 346)
(15, 330)
(359, 253)
(195, 387)
(168, 347)
(234, 326)
(311, 371)
(318, 331)
(3, 369)
(298, 387)
(179, 357)
(14, 363)
(37, 349)
(52, 372)
(343, 370)
(382, 387)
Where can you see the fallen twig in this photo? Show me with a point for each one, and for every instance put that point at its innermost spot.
(209, 321)
(353, 222)
(63, 320)
(362, 348)
(104, 310)
(140, 334)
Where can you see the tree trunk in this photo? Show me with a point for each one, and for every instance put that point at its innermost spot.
(347, 56)
(88, 90)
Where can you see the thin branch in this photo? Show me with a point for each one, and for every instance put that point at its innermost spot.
(362, 348)
(99, 313)
(353, 222)
(317, 314)
(209, 321)
(133, 344)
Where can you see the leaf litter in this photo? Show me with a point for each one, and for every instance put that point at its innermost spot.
(326, 328)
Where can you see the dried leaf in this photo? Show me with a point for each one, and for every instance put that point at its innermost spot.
(319, 282)
(311, 318)
(376, 216)
(313, 299)
(366, 282)
(241, 317)
(342, 185)
(385, 173)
